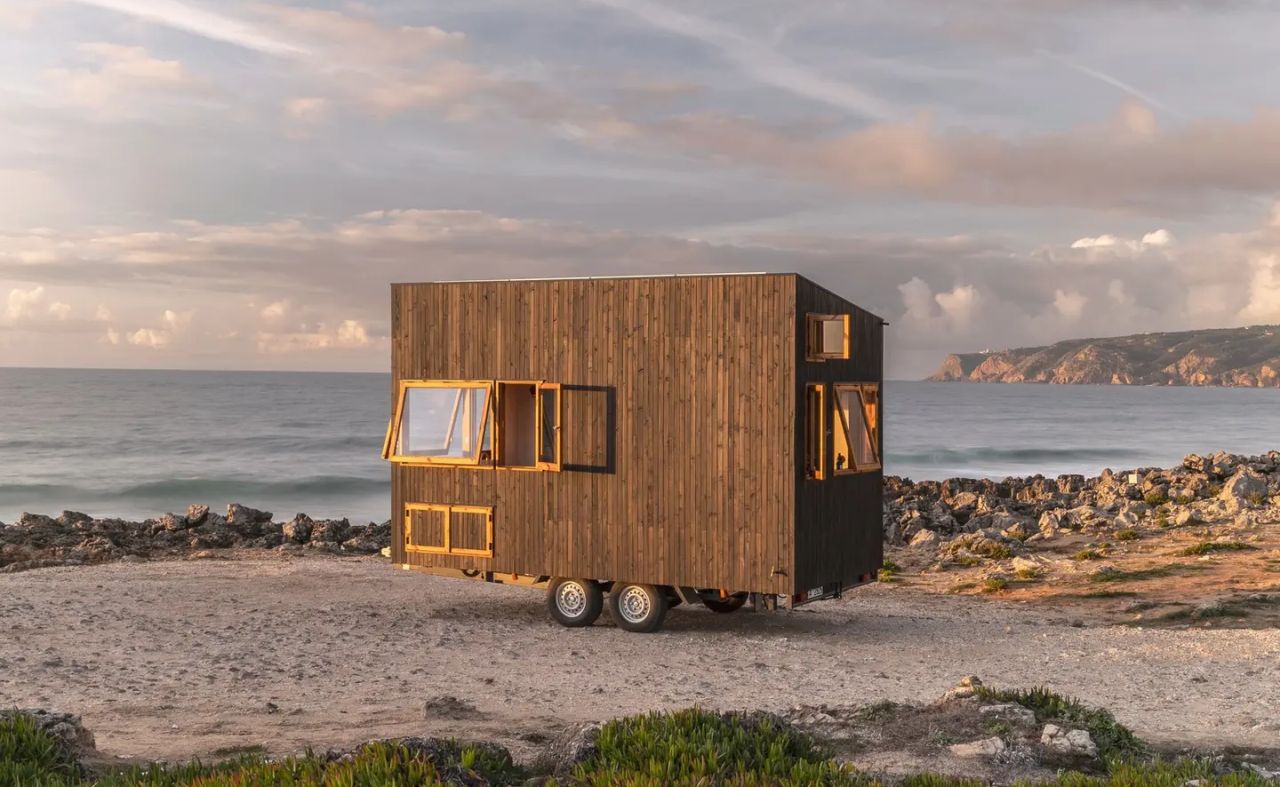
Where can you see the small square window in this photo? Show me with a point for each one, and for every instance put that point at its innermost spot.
(828, 336)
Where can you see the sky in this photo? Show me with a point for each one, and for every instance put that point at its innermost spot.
(233, 185)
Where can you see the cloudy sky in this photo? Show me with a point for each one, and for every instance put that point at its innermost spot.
(227, 184)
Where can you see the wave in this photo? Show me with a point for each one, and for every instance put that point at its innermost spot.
(209, 490)
(986, 455)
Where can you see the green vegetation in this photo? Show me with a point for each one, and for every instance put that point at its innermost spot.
(1154, 499)
(1114, 740)
(696, 747)
(1127, 534)
(1027, 572)
(1210, 547)
(1109, 593)
(991, 549)
(888, 571)
(994, 584)
(691, 747)
(1092, 553)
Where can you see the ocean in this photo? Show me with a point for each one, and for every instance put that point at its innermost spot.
(136, 444)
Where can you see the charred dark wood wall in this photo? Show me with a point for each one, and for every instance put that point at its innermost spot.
(679, 427)
(838, 518)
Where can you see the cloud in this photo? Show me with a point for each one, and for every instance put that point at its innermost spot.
(118, 70)
(22, 303)
(319, 292)
(202, 22)
(60, 310)
(360, 39)
(1089, 166)
(757, 60)
(1125, 87)
(1108, 245)
(308, 109)
(1069, 304)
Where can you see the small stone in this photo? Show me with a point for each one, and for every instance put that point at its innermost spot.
(1060, 739)
(1010, 712)
(987, 747)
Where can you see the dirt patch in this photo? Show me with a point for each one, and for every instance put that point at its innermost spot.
(180, 658)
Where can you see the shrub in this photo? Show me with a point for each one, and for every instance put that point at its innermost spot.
(28, 756)
(994, 584)
(1156, 499)
(1114, 740)
(1127, 534)
(697, 747)
(1092, 553)
(888, 571)
(1210, 547)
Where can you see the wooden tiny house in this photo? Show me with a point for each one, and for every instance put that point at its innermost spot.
(659, 439)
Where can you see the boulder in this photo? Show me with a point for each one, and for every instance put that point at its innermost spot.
(34, 521)
(1244, 487)
(1065, 741)
(172, 522)
(197, 512)
(330, 531)
(924, 538)
(73, 518)
(247, 521)
(298, 529)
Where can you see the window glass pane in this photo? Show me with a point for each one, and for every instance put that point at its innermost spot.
(550, 412)
(863, 452)
(833, 337)
(813, 436)
(840, 447)
(443, 422)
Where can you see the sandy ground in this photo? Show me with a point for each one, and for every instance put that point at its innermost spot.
(173, 659)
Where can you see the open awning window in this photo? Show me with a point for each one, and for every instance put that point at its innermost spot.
(445, 422)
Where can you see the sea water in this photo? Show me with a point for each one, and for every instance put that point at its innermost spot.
(136, 444)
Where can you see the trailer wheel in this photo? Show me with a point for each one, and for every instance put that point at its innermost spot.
(638, 608)
(574, 603)
(725, 605)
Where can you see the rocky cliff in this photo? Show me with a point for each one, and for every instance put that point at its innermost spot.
(1229, 357)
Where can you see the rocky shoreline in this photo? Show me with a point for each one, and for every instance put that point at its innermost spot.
(959, 521)
(73, 538)
(968, 519)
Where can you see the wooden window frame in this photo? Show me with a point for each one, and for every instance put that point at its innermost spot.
(447, 548)
(820, 471)
(554, 466)
(491, 421)
(873, 429)
(392, 438)
(813, 337)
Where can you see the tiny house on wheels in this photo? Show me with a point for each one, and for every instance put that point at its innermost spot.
(638, 441)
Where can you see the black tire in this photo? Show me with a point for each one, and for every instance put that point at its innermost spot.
(637, 608)
(574, 603)
(725, 605)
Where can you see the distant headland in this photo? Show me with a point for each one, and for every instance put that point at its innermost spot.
(1226, 357)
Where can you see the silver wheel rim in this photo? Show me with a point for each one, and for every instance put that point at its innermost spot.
(571, 599)
(634, 604)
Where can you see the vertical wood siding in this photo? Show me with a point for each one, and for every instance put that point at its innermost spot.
(838, 518)
(679, 432)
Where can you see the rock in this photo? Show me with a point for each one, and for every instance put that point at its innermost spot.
(987, 747)
(1244, 487)
(563, 754)
(1183, 517)
(65, 728)
(924, 538)
(967, 687)
(172, 522)
(32, 521)
(247, 521)
(298, 529)
(1051, 522)
(1064, 741)
(330, 531)
(1010, 712)
(1024, 566)
(72, 518)
(196, 513)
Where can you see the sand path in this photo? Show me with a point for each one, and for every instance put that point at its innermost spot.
(180, 658)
